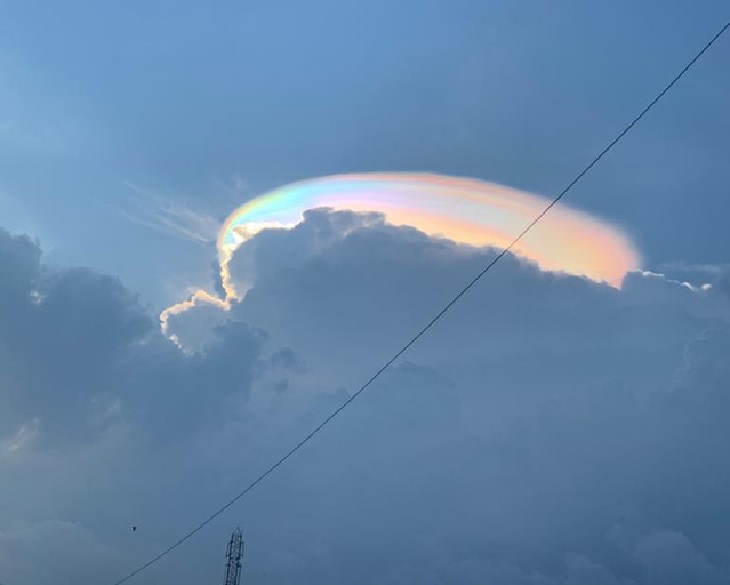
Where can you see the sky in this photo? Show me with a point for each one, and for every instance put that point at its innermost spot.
(553, 429)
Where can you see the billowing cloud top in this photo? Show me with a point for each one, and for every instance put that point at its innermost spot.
(466, 211)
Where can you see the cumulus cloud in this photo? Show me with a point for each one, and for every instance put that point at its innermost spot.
(61, 334)
(550, 431)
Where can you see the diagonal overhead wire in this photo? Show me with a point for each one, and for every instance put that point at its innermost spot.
(433, 321)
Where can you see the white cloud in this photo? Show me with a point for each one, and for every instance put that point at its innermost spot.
(167, 216)
(23, 438)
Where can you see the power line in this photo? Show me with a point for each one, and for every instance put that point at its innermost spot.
(434, 320)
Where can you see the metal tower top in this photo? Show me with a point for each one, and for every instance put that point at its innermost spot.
(234, 555)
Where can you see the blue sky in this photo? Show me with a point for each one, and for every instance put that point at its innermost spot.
(551, 431)
(207, 107)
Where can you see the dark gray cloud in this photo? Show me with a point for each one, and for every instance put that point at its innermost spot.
(551, 431)
(63, 332)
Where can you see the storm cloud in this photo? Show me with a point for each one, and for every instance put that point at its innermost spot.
(551, 430)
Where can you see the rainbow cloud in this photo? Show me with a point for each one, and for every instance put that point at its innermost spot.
(467, 211)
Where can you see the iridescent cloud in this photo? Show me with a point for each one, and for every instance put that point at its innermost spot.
(467, 211)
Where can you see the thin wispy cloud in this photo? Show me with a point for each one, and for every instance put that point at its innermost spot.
(22, 439)
(711, 269)
(172, 218)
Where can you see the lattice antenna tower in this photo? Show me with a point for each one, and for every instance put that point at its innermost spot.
(233, 559)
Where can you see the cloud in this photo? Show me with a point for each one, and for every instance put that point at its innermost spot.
(62, 333)
(708, 269)
(167, 216)
(79, 353)
(551, 431)
(467, 211)
(24, 437)
(669, 557)
(70, 554)
(604, 352)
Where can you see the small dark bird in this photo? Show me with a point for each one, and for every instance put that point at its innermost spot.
(134, 529)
